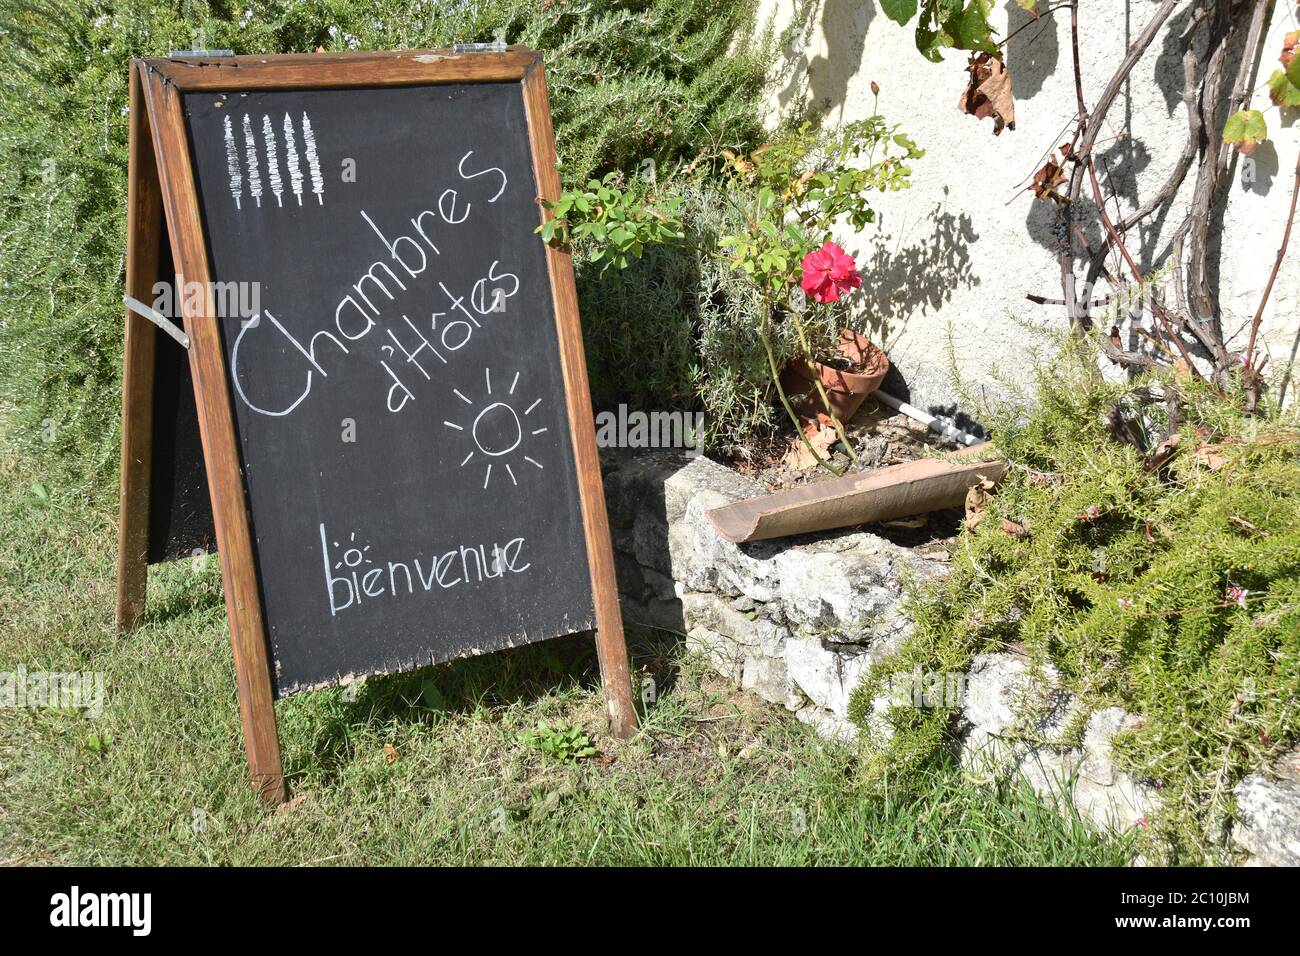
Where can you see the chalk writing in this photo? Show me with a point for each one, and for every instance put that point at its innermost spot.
(313, 159)
(353, 578)
(250, 152)
(407, 347)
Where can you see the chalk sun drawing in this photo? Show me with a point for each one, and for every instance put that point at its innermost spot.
(250, 151)
(352, 556)
(313, 159)
(291, 159)
(498, 429)
(232, 165)
(272, 161)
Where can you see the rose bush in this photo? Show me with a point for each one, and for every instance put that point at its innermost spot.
(790, 194)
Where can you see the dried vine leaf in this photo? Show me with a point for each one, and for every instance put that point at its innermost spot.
(1212, 457)
(1245, 129)
(988, 93)
(799, 457)
(1164, 452)
(977, 500)
(1047, 179)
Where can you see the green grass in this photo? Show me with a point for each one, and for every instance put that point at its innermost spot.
(714, 777)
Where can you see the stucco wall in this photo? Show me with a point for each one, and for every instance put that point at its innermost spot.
(964, 245)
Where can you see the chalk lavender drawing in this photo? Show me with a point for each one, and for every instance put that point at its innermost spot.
(272, 161)
(250, 151)
(313, 159)
(232, 165)
(498, 429)
(291, 159)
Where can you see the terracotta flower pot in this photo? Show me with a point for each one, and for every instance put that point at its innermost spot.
(846, 389)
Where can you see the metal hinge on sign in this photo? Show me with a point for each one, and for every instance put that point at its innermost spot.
(158, 319)
(198, 54)
(498, 44)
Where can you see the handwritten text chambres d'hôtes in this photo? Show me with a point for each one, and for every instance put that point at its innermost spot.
(416, 344)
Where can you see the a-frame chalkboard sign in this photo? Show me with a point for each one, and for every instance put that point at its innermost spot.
(386, 365)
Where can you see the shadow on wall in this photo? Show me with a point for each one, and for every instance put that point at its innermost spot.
(1256, 173)
(1169, 61)
(900, 279)
(818, 85)
(1033, 50)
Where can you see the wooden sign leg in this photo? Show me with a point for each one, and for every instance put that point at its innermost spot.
(143, 236)
(219, 439)
(611, 646)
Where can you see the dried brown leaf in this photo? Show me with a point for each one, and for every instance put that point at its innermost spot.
(799, 457)
(1013, 528)
(1047, 179)
(1164, 452)
(977, 499)
(988, 92)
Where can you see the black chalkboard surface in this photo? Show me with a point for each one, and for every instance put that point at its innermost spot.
(392, 357)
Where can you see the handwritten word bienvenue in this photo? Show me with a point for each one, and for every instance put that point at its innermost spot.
(352, 577)
(357, 312)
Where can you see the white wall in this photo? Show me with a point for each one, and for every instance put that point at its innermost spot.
(966, 242)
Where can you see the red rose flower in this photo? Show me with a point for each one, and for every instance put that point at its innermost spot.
(828, 273)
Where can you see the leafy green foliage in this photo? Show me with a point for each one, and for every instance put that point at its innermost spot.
(1284, 85)
(629, 80)
(900, 11)
(797, 189)
(1176, 597)
(1245, 129)
(675, 329)
(616, 221)
(948, 25)
(774, 205)
(559, 744)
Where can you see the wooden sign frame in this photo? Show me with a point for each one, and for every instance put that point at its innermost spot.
(162, 190)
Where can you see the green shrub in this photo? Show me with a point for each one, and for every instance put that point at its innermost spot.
(1174, 596)
(726, 236)
(676, 329)
(630, 80)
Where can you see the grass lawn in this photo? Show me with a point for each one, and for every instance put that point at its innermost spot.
(427, 767)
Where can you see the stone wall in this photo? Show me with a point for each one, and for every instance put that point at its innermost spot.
(797, 621)
(800, 621)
